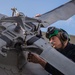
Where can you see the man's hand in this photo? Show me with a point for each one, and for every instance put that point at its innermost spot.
(32, 57)
(35, 58)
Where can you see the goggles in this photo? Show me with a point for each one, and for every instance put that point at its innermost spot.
(52, 31)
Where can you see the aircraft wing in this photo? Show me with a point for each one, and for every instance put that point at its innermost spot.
(61, 13)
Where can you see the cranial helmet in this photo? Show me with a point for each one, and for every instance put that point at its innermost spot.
(53, 31)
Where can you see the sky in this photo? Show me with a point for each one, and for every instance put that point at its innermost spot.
(32, 7)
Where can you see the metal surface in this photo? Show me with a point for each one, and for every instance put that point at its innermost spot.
(61, 13)
(19, 35)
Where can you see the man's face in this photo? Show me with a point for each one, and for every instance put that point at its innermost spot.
(56, 43)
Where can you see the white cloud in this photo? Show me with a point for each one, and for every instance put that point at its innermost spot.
(70, 21)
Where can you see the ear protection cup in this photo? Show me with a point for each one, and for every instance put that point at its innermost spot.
(64, 35)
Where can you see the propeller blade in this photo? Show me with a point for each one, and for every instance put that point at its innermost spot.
(13, 19)
(18, 19)
(61, 13)
(28, 19)
(10, 19)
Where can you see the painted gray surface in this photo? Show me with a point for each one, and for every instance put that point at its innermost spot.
(8, 64)
(61, 13)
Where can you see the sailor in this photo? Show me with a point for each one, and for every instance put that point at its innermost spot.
(59, 39)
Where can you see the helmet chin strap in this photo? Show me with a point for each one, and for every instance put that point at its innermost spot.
(62, 42)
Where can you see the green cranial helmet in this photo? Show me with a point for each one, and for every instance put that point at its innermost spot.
(53, 31)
